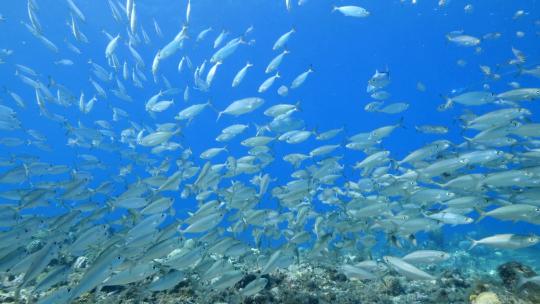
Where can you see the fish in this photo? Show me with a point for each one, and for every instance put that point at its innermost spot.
(227, 50)
(357, 273)
(268, 83)
(380, 95)
(474, 98)
(378, 81)
(426, 257)
(242, 106)
(254, 287)
(161, 106)
(352, 11)
(156, 138)
(451, 218)
(280, 109)
(108, 259)
(240, 75)
(276, 62)
(283, 39)
(220, 38)
(203, 34)
(514, 212)
(288, 5)
(300, 79)
(191, 112)
(463, 40)
(406, 269)
(211, 73)
(432, 129)
(166, 281)
(133, 18)
(76, 11)
(535, 71)
(520, 94)
(394, 108)
(506, 241)
(188, 12)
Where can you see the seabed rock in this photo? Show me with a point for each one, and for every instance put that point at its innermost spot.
(511, 272)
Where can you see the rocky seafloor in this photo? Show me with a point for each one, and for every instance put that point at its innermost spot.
(311, 283)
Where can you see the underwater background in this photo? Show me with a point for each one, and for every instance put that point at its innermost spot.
(243, 225)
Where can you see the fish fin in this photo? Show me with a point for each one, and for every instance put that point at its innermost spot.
(474, 243)
(482, 215)
(448, 104)
(260, 129)
(297, 106)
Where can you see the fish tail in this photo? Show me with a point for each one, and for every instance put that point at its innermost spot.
(298, 106)
(260, 129)
(482, 215)
(473, 243)
(448, 103)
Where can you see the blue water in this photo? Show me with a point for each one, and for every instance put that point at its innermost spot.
(405, 39)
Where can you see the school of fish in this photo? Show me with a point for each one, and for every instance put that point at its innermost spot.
(67, 229)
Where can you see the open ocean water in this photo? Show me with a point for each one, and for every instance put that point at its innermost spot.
(269, 151)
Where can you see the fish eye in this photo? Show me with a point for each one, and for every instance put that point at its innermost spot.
(532, 239)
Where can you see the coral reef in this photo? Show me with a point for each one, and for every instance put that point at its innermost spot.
(319, 284)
